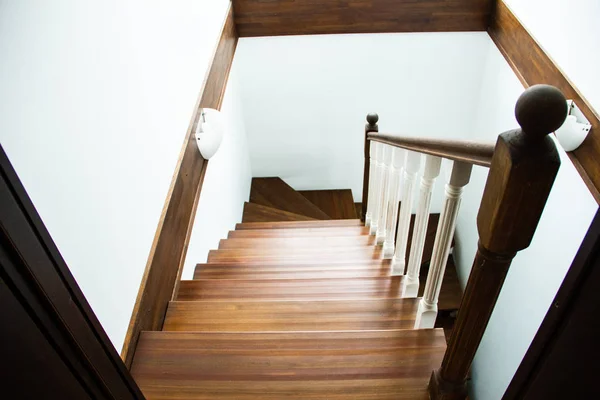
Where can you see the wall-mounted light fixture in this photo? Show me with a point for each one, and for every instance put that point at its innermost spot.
(575, 129)
(209, 133)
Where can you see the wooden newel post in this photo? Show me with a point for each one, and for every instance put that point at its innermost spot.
(371, 126)
(523, 169)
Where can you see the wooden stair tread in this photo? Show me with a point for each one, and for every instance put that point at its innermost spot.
(258, 213)
(393, 364)
(257, 316)
(239, 269)
(338, 204)
(290, 289)
(334, 223)
(275, 193)
(266, 273)
(297, 242)
(300, 232)
(288, 256)
(292, 250)
(265, 266)
(450, 293)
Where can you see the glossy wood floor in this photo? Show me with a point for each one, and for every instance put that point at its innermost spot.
(292, 309)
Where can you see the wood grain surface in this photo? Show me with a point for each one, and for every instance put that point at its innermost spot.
(284, 256)
(338, 204)
(275, 193)
(258, 213)
(309, 365)
(477, 153)
(306, 231)
(300, 224)
(273, 18)
(297, 242)
(257, 316)
(290, 289)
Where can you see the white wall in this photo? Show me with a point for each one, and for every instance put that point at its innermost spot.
(537, 272)
(569, 32)
(96, 99)
(226, 184)
(305, 108)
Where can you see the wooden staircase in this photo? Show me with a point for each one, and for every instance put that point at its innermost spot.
(296, 303)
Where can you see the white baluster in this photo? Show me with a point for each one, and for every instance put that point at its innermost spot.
(384, 193)
(377, 187)
(372, 169)
(427, 312)
(411, 167)
(396, 169)
(432, 170)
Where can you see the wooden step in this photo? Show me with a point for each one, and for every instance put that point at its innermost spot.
(275, 193)
(290, 289)
(257, 213)
(233, 270)
(256, 316)
(297, 242)
(286, 255)
(300, 232)
(338, 204)
(377, 365)
(321, 272)
(334, 223)
(290, 271)
(450, 293)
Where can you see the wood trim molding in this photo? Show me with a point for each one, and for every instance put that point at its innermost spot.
(532, 65)
(309, 17)
(50, 335)
(167, 255)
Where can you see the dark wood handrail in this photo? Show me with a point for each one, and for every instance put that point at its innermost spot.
(169, 248)
(477, 153)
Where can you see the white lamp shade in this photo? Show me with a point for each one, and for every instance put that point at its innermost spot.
(571, 134)
(210, 132)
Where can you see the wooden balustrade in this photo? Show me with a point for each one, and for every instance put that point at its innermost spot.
(523, 169)
(523, 165)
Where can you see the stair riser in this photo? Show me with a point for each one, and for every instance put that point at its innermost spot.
(300, 232)
(321, 243)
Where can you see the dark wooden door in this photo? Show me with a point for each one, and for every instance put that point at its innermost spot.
(562, 361)
(51, 343)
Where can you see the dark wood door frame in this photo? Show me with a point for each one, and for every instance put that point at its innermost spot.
(561, 360)
(40, 293)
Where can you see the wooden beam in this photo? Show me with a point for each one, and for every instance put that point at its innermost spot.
(532, 65)
(167, 255)
(308, 17)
